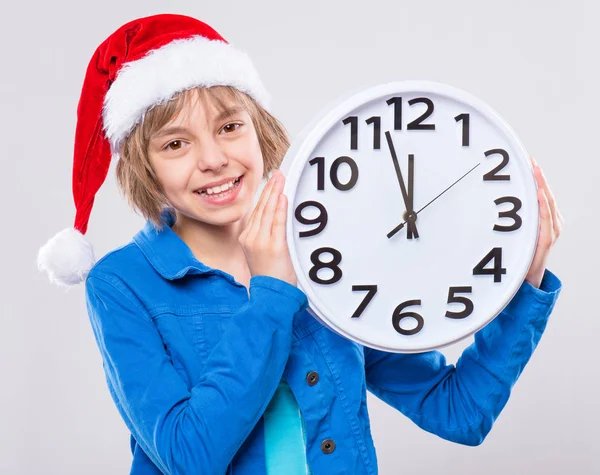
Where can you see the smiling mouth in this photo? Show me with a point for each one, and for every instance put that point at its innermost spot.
(219, 191)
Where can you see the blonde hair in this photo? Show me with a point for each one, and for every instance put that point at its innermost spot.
(135, 176)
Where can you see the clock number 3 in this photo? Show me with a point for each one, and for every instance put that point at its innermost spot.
(511, 213)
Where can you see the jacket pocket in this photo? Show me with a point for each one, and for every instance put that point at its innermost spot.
(189, 334)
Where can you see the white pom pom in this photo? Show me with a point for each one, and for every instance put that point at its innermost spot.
(68, 258)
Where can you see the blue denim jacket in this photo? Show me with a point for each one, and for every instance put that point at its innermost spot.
(192, 361)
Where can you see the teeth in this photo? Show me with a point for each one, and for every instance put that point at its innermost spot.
(218, 189)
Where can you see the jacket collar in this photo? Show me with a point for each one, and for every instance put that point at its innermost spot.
(170, 256)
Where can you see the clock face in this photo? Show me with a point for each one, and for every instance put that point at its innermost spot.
(413, 215)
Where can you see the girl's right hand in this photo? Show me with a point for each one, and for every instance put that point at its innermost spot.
(263, 240)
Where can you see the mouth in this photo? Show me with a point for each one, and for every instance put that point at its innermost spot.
(222, 194)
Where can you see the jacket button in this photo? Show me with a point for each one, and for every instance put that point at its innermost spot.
(312, 378)
(327, 446)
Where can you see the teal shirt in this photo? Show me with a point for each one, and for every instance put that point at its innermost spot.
(285, 437)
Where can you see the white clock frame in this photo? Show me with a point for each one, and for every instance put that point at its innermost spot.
(301, 151)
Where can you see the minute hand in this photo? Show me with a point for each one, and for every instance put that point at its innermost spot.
(406, 196)
(397, 167)
(401, 225)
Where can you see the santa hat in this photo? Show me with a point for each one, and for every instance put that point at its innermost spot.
(142, 64)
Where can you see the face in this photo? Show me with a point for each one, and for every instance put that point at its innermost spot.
(209, 162)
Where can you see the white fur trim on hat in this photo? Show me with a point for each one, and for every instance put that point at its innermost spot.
(177, 66)
(67, 257)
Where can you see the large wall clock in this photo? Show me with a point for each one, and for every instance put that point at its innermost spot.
(413, 215)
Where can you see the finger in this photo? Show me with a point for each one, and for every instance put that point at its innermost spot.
(543, 183)
(269, 209)
(546, 225)
(257, 206)
(278, 230)
(254, 223)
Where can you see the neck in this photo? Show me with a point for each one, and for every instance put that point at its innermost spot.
(215, 246)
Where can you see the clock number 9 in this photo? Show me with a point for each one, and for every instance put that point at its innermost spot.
(333, 172)
(321, 219)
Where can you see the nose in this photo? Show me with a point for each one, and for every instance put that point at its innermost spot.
(211, 156)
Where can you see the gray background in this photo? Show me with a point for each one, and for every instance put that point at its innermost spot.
(533, 61)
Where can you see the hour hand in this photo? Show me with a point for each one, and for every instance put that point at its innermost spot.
(411, 216)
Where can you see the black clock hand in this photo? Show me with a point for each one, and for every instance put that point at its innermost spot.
(397, 167)
(411, 171)
(411, 216)
(401, 225)
(412, 227)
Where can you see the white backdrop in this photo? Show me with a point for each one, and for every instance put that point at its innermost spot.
(535, 62)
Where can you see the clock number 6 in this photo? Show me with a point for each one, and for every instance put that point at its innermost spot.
(398, 316)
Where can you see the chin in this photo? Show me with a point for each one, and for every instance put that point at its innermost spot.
(222, 217)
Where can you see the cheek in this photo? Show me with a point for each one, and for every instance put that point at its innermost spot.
(248, 153)
(173, 179)
(256, 157)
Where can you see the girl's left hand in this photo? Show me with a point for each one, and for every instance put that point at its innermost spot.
(551, 223)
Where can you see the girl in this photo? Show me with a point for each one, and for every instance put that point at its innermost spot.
(209, 353)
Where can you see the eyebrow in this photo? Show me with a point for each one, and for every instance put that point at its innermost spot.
(225, 114)
(231, 111)
(169, 131)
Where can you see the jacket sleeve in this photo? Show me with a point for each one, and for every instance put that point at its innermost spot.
(461, 403)
(199, 430)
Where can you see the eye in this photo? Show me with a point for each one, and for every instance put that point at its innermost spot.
(175, 145)
(228, 128)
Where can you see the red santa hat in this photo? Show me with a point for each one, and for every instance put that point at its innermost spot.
(142, 64)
